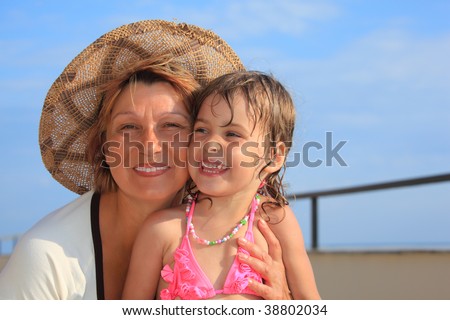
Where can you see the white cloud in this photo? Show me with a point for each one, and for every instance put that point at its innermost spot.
(286, 17)
(238, 19)
(397, 56)
(387, 75)
(385, 57)
(355, 120)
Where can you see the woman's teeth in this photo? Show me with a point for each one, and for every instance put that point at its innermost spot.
(151, 169)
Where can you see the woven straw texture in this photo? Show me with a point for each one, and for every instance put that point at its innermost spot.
(71, 105)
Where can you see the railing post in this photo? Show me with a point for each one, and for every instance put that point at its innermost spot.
(14, 241)
(314, 224)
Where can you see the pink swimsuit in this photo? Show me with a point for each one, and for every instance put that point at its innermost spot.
(188, 281)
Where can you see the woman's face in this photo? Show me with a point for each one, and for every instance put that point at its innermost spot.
(146, 141)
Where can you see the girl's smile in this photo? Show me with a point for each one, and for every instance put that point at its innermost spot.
(223, 149)
(213, 168)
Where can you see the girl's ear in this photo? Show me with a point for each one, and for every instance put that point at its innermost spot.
(277, 157)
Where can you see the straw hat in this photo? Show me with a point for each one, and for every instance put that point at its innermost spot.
(72, 102)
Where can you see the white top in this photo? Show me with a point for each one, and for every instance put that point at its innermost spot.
(55, 259)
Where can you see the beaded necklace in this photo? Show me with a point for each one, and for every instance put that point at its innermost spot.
(254, 206)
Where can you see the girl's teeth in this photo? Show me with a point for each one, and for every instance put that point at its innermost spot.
(212, 166)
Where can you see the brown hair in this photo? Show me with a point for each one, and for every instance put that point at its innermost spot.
(155, 69)
(269, 105)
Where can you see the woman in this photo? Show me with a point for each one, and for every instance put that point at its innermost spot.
(112, 129)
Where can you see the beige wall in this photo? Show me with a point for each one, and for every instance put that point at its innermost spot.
(403, 275)
(3, 260)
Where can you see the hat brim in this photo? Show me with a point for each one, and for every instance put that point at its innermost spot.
(71, 105)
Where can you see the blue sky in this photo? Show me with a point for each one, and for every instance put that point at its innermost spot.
(374, 73)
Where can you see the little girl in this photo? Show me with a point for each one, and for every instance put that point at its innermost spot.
(243, 130)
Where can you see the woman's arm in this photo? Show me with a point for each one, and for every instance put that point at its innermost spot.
(270, 266)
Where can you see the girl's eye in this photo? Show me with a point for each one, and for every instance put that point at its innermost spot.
(200, 130)
(233, 134)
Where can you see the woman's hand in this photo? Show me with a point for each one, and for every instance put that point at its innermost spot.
(270, 266)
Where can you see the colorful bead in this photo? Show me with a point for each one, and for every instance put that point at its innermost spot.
(242, 222)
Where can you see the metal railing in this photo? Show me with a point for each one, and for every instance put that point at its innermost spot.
(314, 197)
(12, 240)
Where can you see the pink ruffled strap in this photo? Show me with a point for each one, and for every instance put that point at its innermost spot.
(167, 273)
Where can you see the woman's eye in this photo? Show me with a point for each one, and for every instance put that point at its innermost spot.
(173, 125)
(128, 127)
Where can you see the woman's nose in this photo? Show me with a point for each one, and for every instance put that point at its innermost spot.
(151, 141)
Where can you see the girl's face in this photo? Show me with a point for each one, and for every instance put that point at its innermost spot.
(144, 136)
(226, 157)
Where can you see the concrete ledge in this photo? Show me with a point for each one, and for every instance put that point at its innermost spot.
(404, 275)
(3, 260)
